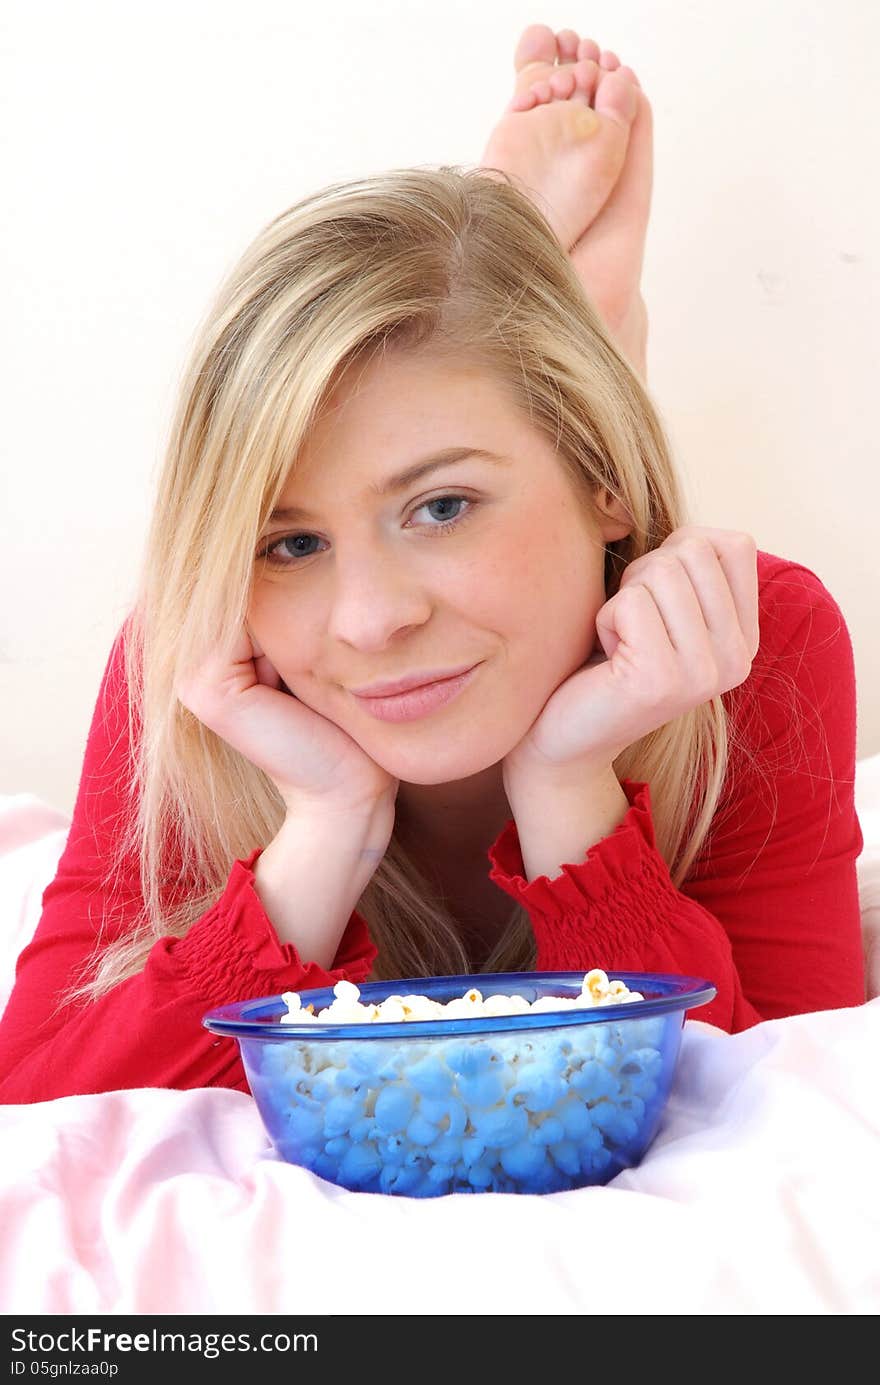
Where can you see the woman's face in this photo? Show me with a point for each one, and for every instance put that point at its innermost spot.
(487, 562)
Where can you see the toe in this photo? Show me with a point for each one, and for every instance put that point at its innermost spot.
(562, 83)
(537, 44)
(609, 60)
(617, 97)
(567, 45)
(588, 48)
(523, 100)
(587, 74)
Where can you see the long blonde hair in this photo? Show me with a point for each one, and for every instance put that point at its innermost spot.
(459, 262)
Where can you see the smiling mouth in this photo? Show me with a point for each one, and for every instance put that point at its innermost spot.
(400, 686)
(419, 701)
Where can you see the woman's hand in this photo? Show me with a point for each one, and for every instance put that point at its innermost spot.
(682, 628)
(311, 761)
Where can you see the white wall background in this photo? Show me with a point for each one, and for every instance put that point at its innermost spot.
(144, 146)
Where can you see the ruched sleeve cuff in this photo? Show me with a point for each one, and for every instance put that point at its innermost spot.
(233, 952)
(612, 901)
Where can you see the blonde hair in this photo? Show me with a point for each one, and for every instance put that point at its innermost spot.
(455, 262)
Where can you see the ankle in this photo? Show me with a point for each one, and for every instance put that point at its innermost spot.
(630, 335)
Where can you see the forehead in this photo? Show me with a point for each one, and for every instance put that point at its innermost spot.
(400, 395)
(388, 421)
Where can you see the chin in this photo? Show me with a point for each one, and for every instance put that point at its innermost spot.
(441, 763)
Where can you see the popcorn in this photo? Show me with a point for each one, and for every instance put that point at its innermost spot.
(346, 991)
(346, 1008)
(595, 982)
(510, 1111)
(508, 1005)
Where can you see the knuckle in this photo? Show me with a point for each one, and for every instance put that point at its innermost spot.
(193, 696)
(634, 595)
(737, 669)
(699, 546)
(688, 533)
(671, 561)
(744, 665)
(706, 680)
(705, 545)
(745, 542)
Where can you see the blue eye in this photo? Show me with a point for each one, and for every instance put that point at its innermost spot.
(443, 500)
(296, 556)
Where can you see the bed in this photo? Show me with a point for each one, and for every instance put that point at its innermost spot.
(759, 1194)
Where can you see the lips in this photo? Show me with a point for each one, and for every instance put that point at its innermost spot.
(420, 701)
(415, 680)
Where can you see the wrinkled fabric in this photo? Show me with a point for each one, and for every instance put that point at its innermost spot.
(758, 1195)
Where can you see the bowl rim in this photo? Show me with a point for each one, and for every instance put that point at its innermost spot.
(239, 1019)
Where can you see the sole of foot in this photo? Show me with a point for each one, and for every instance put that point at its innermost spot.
(578, 137)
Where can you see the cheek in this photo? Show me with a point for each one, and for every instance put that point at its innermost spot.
(544, 583)
(286, 638)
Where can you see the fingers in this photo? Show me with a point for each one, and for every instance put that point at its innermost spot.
(257, 648)
(677, 604)
(737, 555)
(675, 635)
(699, 561)
(721, 568)
(633, 631)
(700, 614)
(221, 673)
(266, 671)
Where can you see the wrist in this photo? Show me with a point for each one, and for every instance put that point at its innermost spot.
(561, 812)
(322, 808)
(530, 773)
(366, 827)
(312, 874)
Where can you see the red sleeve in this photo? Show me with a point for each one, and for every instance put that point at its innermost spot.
(770, 911)
(147, 1031)
(781, 871)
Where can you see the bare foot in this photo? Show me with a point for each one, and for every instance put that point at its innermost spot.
(578, 136)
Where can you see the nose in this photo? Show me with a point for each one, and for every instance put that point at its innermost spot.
(375, 597)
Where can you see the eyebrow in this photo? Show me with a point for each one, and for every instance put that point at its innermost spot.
(392, 484)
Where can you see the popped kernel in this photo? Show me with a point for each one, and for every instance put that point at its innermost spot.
(347, 1007)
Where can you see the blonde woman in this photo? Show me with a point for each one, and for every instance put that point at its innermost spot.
(414, 446)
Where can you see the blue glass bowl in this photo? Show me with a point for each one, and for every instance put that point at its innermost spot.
(534, 1103)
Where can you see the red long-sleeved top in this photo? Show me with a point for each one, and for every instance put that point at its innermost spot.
(769, 912)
